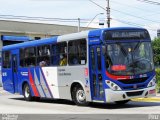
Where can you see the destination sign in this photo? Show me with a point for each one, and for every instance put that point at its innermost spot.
(121, 35)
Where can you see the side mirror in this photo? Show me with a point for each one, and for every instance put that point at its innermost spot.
(103, 49)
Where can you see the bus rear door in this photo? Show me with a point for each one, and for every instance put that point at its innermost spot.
(96, 73)
(15, 69)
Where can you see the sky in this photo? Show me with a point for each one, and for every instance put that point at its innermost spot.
(135, 13)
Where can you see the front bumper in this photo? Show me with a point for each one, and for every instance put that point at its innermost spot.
(112, 96)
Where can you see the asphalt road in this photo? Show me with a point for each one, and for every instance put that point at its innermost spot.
(15, 104)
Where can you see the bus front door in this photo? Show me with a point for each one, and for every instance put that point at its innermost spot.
(15, 71)
(96, 73)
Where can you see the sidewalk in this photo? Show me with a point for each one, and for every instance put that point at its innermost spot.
(3, 92)
(1, 88)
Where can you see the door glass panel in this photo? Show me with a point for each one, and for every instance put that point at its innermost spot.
(93, 59)
(100, 86)
(99, 58)
(14, 63)
(94, 85)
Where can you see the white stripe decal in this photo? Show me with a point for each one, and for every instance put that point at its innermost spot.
(38, 85)
(44, 86)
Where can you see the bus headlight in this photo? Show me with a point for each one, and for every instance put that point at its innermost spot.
(152, 82)
(113, 85)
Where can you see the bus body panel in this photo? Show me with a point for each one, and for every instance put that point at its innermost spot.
(112, 96)
(8, 83)
(74, 74)
(73, 36)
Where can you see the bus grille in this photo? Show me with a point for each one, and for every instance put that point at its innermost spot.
(132, 87)
(133, 81)
(137, 93)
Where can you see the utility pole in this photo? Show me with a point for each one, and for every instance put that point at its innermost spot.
(108, 14)
(78, 24)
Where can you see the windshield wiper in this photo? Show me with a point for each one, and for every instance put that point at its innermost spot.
(122, 48)
(137, 46)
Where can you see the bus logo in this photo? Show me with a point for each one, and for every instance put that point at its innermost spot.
(135, 86)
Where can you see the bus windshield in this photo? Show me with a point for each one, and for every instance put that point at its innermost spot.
(130, 58)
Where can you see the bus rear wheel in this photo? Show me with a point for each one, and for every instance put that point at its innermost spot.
(27, 93)
(79, 96)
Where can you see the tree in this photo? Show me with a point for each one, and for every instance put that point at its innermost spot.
(156, 50)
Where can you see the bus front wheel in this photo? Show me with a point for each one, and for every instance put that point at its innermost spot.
(79, 96)
(27, 93)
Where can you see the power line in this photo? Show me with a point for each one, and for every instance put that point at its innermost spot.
(126, 5)
(126, 13)
(43, 18)
(134, 24)
(150, 2)
(136, 16)
(97, 4)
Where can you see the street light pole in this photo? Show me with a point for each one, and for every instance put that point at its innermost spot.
(108, 14)
(78, 24)
(94, 18)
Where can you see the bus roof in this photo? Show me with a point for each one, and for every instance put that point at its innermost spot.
(90, 33)
(30, 43)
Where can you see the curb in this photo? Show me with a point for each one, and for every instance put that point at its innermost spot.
(146, 99)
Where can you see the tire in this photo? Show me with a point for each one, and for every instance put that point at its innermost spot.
(79, 96)
(27, 93)
(122, 102)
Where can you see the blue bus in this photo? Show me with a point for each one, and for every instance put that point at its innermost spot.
(102, 65)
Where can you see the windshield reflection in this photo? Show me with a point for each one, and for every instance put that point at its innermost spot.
(129, 58)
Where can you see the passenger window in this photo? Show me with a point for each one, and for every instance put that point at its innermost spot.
(77, 52)
(6, 59)
(43, 58)
(59, 54)
(29, 57)
(22, 58)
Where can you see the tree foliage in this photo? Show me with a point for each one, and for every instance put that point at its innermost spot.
(156, 50)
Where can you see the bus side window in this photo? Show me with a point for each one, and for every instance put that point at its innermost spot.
(43, 55)
(6, 59)
(30, 57)
(59, 54)
(22, 58)
(77, 52)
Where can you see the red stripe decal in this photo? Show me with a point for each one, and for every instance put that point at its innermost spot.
(33, 86)
(116, 77)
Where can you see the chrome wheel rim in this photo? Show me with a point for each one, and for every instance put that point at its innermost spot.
(27, 92)
(81, 97)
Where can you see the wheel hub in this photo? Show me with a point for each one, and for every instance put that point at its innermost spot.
(27, 92)
(81, 96)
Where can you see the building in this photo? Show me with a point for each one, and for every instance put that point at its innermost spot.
(12, 32)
